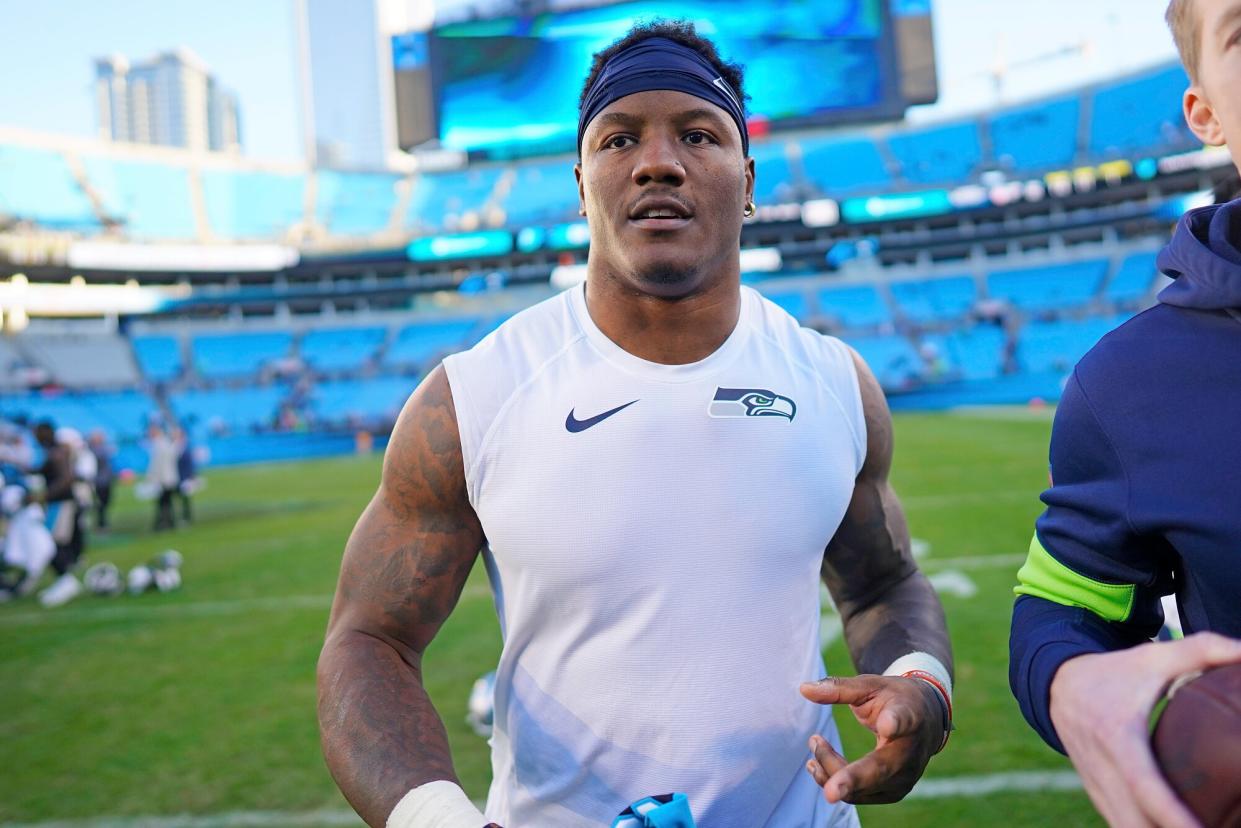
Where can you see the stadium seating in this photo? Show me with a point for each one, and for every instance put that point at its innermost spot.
(84, 361)
(934, 300)
(38, 185)
(542, 192)
(973, 353)
(151, 199)
(219, 356)
(440, 200)
(773, 176)
(352, 400)
(844, 166)
(1134, 278)
(1056, 346)
(1036, 137)
(1139, 114)
(252, 205)
(224, 410)
(339, 349)
(938, 155)
(793, 301)
(854, 306)
(355, 204)
(893, 359)
(1050, 287)
(417, 344)
(121, 415)
(159, 357)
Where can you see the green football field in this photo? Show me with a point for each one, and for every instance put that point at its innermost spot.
(201, 702)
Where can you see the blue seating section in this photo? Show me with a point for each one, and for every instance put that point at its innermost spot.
(1049, 288)
(1038, 137)
(153, 200)
(1133, 279)
(1140, 114)
(975, 353)
(121, 415)
(231, 410)
(339, 349)
(542, 192)
(355, 204)
(351, 400)
(37, 185)
(252, 205)
(1056, 346)
(417, 344)
(892, 359)
(234, 355)
(856, 306)
(939, 155)
(438, 196)
(773, 177)
(159, 357)
(843, 166)
(793, 301)
(934, 300)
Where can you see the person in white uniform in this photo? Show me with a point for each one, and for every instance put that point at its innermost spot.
(657, 468)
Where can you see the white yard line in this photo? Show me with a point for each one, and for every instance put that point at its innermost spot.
(941, 788)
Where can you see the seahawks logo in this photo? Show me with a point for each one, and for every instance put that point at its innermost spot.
(751, 402)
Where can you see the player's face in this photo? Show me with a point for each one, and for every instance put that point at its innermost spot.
(1213, 105)
(664, 184)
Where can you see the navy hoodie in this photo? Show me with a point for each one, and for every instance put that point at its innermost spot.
(1145, 498)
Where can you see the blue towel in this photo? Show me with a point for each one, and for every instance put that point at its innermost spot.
(663, 811)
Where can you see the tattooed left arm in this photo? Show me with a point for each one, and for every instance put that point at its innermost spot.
(889, 610)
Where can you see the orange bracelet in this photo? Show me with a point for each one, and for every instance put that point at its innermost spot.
(943, 694)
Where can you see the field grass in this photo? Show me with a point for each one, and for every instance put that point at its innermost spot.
(202, 701)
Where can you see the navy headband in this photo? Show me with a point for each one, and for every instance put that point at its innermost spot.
(660, 63)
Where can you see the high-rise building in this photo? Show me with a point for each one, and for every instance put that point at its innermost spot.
(171, 99)
(346, 73)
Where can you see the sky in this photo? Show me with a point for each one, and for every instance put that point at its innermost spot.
(47, 51)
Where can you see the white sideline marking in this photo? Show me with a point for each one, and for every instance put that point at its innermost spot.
(954, 582)
(1005, 561)
(944, 787)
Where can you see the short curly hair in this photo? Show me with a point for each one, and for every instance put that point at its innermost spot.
(681, 31)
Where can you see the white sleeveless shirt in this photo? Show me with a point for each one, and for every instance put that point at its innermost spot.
(654, 540)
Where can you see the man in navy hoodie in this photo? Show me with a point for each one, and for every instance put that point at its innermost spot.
(1145, 454)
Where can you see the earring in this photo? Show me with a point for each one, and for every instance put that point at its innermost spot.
(750, 209)
(581, 211)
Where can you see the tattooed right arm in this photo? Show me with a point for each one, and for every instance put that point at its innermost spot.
(403, 570)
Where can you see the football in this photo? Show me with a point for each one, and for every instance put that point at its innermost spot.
(1197, 743)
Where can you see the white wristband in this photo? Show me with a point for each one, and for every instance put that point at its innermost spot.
(926, 663)
(439, 804)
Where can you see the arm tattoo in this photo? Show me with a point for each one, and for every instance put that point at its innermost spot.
(886, 604)
(403, 570)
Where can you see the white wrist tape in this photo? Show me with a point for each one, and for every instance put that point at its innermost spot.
(926, 663)
(439, 804)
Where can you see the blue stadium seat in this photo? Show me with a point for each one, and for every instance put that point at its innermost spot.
(892, 359)
(1037, 137)
(121, 415)
(934, 300)
(1056, 346)
(37, 185)
(152, 199)
(1049, 287)
(239, 354)
(1134, 278)
(417, 344)
(336, 349)
(253, 205)
(355, 204)
(974, 353)
(842, 166)
(234, 410)
(938, 155)
(542, 192)
(437, 197)
(1142, 114)
(793, 301)
(773, 177)
(372, 398)
(159, 357)
(854, 306)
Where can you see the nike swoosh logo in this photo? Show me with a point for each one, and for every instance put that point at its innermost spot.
(574, 425)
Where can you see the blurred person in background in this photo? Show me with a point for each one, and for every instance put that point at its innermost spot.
(104, 453)
(187, 472)
(162, 477)
(64, 512)
(1143, 499)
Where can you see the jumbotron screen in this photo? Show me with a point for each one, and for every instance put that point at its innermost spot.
(510, 85)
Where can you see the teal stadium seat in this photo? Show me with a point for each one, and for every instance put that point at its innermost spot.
(437, 197)
(844, 166)
(373, 398)
(1056, 346)
(219, 356)
(934, 300)
(1050, 287)
(355, 204)
(418, 344)
(253, 205)
(973, 353)
(773, 176)
(37, 185)
(892, 359)
(151, 199)
(341, 349)
(159, 357)
(1134, 278)
(122, 415)
(1140, 115)
(1038, 137)
(938, 155)
(208, 411)
(854, 306)
(542, 192)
